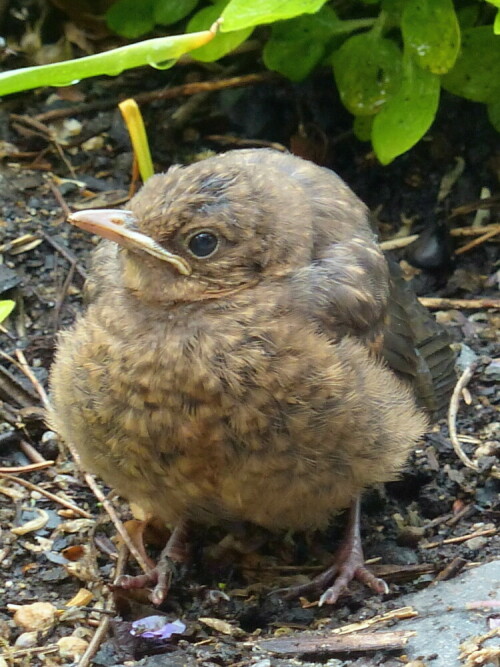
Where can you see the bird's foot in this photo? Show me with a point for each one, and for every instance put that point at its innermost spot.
(160, 577)
(348, 565)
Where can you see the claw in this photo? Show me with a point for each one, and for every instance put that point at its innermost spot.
(348, 565)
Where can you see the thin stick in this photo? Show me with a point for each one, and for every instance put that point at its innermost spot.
(451, 570)
(88, 478)
(27, 468)
(164, 94)
(398, 242)
(103, 626)
(403, 241)
(29, 451)
(62, 295)
(463, 381)
(461, 538)
(110, 510)
(47, 494)
(59, 198)
(478, 241)
(474, 304)
(31, 377)
(66, 254)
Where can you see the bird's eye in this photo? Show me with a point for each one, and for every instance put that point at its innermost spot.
(203, 244)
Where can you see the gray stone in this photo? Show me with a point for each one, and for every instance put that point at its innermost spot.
(444, 622)
(476, 543)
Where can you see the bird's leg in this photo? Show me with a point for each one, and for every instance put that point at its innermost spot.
(174, 552)
(348, 565)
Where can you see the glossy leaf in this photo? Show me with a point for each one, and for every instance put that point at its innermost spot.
(362, 127)
(241, 14)
(223, 43)
(393, 10)
(298, 45)
(476, 75)
(407, 116)
(161, 53)
(166, 12)
(6, 307)
(130, 18)
(468, 16)
(367, 70)
(431, 33)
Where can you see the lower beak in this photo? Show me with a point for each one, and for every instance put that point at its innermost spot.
(115, 225)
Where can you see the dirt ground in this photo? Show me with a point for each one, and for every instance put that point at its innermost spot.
(68, 148)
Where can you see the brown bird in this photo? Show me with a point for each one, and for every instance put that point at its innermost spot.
(230, 365)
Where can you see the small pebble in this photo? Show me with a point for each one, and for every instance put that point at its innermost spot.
(36, 616)
(26, 640)
(466, 357)
(492, 370)
(476, 543)
(72, 647)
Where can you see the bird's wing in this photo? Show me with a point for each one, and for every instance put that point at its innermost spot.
(345, 288)
(416, 347)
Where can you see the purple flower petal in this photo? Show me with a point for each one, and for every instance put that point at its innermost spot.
(155, 627)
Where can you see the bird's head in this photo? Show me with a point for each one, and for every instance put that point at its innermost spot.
(226, 223)
(207, 230)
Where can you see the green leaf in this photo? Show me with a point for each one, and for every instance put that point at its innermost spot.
(223, 43)
(367, 70)
(494, 113)
(393, 10)
(476, 75)
(130, 18)
(248, 13)
(6, 307)
(298, 45)
(362, 127)
(407, 116)
(468, 16)
(431, 33)
(166, 12)
(161, 52)
(496, 24)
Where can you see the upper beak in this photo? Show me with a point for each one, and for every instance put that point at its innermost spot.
(115, 225)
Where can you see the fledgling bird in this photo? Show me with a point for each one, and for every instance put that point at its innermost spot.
(230, 366)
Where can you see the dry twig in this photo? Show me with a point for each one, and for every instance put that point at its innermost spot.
(474, 304)
(461, 538)
(451, 570)
(24, 366)
(481, 239)
(164, 94)
(27, 468)
(463, 381)
(306, 643)
(103, 626)
(487, 231)
(118, 524)
(64, 252)
(47, 494)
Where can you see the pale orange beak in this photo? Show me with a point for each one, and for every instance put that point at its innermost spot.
(117, 226)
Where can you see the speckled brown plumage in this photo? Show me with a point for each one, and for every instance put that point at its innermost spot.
(245, 386)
